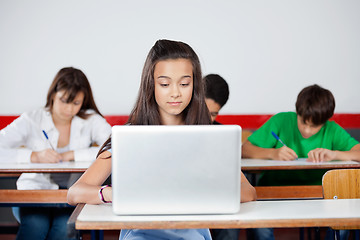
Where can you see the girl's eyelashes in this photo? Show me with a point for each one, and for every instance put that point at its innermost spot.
(63, 100)
(166, 82)
(181, 84)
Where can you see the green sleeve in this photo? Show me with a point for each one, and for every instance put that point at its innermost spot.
(263, 137)
(342, 139)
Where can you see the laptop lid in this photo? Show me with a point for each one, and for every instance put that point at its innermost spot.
(188, 169)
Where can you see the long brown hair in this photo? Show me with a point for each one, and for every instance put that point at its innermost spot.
(145, 111)
(72, 81)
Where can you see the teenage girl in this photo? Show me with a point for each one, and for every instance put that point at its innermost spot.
(72, 123)
(171, 93)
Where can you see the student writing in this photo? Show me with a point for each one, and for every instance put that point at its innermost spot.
(171, 93)
(72, 123)
(308, 133)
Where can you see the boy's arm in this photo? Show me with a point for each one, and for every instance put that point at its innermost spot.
(355, 152)
(251, 151)
(324, 155)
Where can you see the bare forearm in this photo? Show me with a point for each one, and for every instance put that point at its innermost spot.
(86, 189)
(83, 193)
(348, 155)
(248, 193)
(68, 156)
(251, 151)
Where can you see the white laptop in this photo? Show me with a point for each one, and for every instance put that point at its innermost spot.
(176, 169)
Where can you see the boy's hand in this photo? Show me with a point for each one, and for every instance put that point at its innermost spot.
(284, 153)
(321, 155)
(45, 156)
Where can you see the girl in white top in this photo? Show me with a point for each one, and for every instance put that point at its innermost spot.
(171, 93)
(73, 124)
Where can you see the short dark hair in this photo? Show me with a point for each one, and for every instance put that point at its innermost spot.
(315, 104)
(216, 88)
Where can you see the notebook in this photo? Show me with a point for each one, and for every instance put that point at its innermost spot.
(176, 169)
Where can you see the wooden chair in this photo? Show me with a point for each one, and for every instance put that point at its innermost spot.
(342, 184)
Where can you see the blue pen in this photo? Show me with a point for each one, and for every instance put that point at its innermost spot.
(47, 138)
(277, 138)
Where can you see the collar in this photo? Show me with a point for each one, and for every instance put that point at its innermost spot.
(47, 123)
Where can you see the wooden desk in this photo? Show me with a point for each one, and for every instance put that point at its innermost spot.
(262, 165)
(64, 167)
(43, 196)
(258, 214)
(12, 197)
(254, 166)
(246, 165)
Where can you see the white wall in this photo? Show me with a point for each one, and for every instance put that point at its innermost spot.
(266, 50)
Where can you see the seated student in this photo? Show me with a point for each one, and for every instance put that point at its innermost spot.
(171, 93)
(216, 94)
(72, 123)
(308, 133)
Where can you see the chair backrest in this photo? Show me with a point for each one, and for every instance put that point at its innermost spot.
(341, 184)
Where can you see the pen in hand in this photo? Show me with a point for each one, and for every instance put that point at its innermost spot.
(275, 136)
(47, 138)
(278, 139)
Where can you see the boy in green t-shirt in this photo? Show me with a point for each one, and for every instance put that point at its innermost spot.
(308, 133)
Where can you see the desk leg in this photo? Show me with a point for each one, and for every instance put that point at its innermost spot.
(71, 230)
(97, 235)
(301, 233)
(317, 233)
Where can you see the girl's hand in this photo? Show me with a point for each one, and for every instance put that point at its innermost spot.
(107, 193)
(284, 153)
(45, 156)
(321, 155)
(67, 156)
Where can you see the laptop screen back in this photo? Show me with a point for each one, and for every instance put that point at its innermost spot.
(176, 169)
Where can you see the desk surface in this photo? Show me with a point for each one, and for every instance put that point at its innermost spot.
(293, 213)
(246, 165)
(260, 164)
(69, 167)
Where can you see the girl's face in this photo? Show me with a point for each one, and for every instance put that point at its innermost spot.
(173, 88)
(64, 111)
